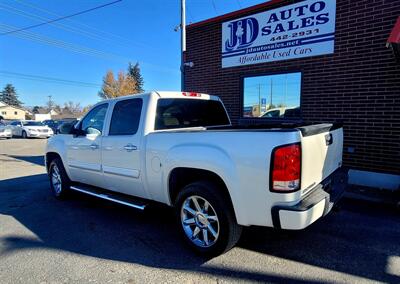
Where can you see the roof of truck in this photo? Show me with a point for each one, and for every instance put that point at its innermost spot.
(171, 94)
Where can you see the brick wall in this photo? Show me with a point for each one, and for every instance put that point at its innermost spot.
(359, 84)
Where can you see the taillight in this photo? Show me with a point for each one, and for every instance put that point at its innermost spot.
(191, 94)
(286, 165)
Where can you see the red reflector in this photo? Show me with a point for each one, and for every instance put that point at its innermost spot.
(286, 168)
(191, 94)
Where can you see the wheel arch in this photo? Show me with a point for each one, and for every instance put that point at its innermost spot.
(50, 156)
(180, 177)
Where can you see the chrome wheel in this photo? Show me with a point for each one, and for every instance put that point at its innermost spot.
(56, 179)
(200, 221)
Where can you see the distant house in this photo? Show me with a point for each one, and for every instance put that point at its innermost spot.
(66, 114)
(12, 112)
(43, 114)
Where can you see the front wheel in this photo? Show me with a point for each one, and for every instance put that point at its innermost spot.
(24, 135)
(59, 181)
(206, 219)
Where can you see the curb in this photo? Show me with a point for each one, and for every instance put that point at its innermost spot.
(373, 195)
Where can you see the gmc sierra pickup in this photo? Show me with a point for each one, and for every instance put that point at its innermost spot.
(180, 149)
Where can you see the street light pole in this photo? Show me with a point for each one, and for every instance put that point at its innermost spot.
(183, 42)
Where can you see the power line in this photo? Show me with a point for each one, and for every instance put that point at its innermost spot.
(27, 35)
(190, 14)
(65, 45)
(100, 33)
(79, 49)
(62, 18)
(215, 7)
(48, 79)
(37, 17)
(65, 27)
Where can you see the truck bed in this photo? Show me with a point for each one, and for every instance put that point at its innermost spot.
(306, 129)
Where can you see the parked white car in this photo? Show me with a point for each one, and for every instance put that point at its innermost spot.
(180, 149)
(5, 131)
(30, 128)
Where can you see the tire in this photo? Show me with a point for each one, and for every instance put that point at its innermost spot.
(59, 181)
(24, 135)
(224, 232)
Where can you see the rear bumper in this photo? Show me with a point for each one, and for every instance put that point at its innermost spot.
(315, 205)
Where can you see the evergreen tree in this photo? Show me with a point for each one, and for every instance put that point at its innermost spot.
(9, 96)
(134, 72)
(36, 109)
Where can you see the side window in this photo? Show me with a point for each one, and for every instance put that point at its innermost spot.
(94, 120)
(126, 117)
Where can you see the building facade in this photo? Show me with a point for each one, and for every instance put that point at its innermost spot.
(11, 112)
(313, 61)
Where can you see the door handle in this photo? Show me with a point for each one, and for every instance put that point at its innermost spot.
(94, 146)
(130, 147)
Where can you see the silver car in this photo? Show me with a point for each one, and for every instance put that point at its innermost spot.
(5, 131)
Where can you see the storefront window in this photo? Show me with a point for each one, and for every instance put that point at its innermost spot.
(274, 96)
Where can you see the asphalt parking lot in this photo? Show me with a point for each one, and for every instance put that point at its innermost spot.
(88, 240)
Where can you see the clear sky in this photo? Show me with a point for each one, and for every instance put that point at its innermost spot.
(84, 47)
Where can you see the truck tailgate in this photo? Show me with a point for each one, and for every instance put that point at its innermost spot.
(322, 149)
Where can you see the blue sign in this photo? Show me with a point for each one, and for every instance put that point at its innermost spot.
(300, 30)
(263, 101)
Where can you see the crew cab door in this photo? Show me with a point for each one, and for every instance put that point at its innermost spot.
(121, 152)
(84, 149)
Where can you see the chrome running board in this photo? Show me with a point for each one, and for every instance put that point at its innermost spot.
(111, 196)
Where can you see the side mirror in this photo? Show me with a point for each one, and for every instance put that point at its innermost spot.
(68, 128)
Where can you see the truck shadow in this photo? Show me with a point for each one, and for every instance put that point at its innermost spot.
(37, 160)
(356, 241)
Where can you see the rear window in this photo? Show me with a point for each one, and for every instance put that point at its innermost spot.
(181, 113)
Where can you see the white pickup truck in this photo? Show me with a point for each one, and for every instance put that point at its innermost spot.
(180, 149)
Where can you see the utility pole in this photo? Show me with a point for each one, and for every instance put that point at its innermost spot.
(284, 98)
(50, 103)
(183, 42)
(259, 98)
(271, 94)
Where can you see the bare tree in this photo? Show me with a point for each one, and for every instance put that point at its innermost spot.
(72, 107)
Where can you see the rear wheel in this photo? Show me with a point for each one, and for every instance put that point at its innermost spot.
(59, 181)
(206, 219)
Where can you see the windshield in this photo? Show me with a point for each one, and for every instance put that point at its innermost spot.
(32, 123)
